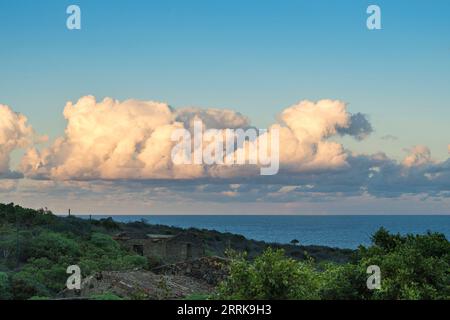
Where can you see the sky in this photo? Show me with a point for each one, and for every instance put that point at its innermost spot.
(267, 63)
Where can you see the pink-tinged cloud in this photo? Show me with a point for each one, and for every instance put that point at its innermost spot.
(14, 133)
(418, 156)
(132, 140)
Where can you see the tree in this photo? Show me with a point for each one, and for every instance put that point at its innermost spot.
(295, 242)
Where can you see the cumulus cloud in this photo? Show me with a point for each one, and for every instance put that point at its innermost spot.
(14, 133)
(212, 118)
(418, 174)
(132, 140)
(304, 132)
(109, 140)
(126, 147)
(418, 156)
(129, 144)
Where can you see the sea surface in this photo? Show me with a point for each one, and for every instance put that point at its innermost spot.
(333, 231)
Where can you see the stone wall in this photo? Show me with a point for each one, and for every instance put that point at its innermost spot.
(166, 251)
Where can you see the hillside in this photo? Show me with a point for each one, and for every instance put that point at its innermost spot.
(36, 247)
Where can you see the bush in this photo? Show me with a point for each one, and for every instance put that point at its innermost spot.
(412, 266)
(343, 282)
(101, 253)
(5, 288)
(25, 285)
(270, 276)
(55, 247)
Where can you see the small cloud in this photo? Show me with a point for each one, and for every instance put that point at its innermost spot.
(287, 189)
(229, 193)
(418, 155)
(359, 127)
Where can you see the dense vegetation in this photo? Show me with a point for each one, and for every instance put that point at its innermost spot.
(36, 247)
(412, 267)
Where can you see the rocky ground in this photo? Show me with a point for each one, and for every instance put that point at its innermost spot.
(139, 284)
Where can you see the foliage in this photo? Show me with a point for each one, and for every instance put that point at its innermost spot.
(5, 290)
(270, 276)
(36, 248)
(103, 253)
(55, 247)
(412, 267)
(343, 282)
(25, 285)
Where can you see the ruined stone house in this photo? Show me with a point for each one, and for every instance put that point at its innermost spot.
(163, 248)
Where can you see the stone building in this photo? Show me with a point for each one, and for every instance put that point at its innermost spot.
(164, 249)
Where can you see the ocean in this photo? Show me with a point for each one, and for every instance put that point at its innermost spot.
(332, 231)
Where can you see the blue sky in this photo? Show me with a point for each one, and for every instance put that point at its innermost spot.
(256, 57)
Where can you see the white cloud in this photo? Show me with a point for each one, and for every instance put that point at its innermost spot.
(127, 146)
(109, 140)
(14, 133)
(113, 140)
(418, 155)
(303, 137)
(212, 118)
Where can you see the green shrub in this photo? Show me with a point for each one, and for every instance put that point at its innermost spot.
(25, 285)
(55, 247)
(343, 282)
(270, 276)
(412, 266)
(5, 288)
